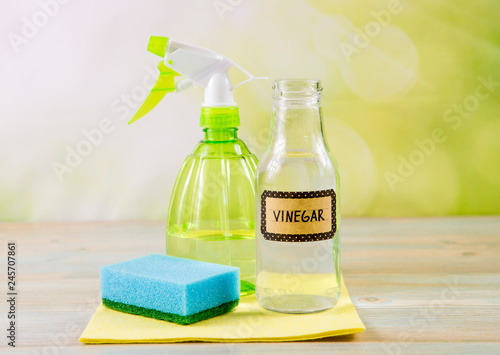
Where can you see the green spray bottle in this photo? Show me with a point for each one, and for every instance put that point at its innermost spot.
(211, 214)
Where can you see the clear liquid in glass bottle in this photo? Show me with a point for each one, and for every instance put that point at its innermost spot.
(297, 206)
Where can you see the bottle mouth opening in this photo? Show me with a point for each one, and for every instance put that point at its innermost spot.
(297, 89)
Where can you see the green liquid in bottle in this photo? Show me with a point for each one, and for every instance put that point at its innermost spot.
(212, 212)
(237, 249)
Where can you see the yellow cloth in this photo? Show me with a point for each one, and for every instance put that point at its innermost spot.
(248, 322)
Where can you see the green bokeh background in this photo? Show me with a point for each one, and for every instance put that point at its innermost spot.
(442, 49)
(394, 73)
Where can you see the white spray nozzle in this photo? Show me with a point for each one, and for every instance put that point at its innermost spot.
(204, 67)
(199, 67)
(219, 91)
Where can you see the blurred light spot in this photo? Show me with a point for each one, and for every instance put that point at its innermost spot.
(330, 32)
(358, 173)
(388, 66)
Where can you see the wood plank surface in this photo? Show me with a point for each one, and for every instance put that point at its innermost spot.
(421, 286)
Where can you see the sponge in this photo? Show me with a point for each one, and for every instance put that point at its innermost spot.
(168, 288)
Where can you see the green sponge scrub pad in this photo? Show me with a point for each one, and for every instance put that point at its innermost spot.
(168, 288)
(171, 317)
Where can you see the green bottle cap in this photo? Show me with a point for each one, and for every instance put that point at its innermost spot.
(219, 117)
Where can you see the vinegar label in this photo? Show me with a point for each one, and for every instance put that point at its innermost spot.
(305, 216)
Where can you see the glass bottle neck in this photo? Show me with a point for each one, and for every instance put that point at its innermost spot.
(296, 126)
(220, 134)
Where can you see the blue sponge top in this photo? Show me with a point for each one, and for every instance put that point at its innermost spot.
(169, 284)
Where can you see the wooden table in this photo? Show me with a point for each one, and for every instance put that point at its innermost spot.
(421, 285)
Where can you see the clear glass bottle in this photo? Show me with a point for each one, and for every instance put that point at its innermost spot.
(211, 212)
(297, 206)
